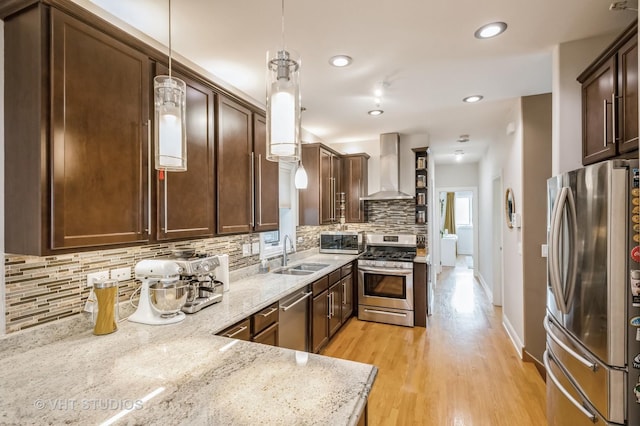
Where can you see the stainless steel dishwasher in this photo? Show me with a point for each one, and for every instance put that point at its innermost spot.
(294, 320)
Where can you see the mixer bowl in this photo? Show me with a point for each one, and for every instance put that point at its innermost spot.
(168, 299)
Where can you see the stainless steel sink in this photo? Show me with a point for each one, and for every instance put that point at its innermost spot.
(313, 267)
(301, 269)
(290, 271)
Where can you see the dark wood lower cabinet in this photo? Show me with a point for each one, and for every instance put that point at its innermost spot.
(335, 308)
(320, 321)
(347, 297)
(240, 330)
(268, 336)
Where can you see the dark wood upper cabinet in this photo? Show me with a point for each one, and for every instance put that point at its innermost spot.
(267, 207)
(610, 101)
(628, 96)
(186, 200)
(76, 135)
(235, 168)
(247, 182)
(354, 185)
(317, 203)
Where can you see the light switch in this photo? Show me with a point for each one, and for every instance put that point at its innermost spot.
(255, 248)
(246, 250)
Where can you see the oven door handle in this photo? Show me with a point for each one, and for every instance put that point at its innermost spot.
(391, 271)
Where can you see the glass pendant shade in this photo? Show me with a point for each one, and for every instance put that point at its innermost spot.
(283, 106)
(300, 178)
(170, 124)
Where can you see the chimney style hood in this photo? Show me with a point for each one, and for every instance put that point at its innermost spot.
(389, 170)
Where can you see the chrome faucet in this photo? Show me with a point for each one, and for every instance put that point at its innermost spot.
(285, 258)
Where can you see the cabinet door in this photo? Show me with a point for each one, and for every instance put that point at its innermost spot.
(240, 330)
(628, 96)
(99, 118)
(320, 322)
(335, 313)
(326, 188)
(186, 200)
(234, 165)
(268, 337)
(354, 185)
(347, 297)
(597, 114)
(267, 204)
(309, 198)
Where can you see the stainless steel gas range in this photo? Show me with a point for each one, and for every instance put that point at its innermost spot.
(385, 279)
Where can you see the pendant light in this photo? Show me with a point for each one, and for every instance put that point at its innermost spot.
(170, 119)
(300, 179)
(283, 103)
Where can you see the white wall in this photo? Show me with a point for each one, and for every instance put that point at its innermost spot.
(456, 175)
(2, 292)
(569, 60)
(513, 285)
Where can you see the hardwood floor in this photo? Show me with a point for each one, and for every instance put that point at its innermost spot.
(462, 370)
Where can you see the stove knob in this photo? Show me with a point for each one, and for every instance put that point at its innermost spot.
(206, 267)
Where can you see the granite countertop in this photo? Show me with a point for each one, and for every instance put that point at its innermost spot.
(182, 373)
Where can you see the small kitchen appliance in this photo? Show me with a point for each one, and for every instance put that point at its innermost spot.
(200, 272)
(162, 293)
(342, 242)
(385, 279)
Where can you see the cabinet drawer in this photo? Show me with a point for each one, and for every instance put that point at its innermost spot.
(240, 331)
(346, 270)
(269, 336)
(264, 318)
(334, 277)
(321, 285)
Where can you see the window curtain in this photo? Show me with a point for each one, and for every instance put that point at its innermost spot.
(449, 213)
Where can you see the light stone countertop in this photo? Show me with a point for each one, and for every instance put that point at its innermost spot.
(182, 373)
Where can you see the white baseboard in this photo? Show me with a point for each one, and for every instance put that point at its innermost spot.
(515, 339)
(484, 285)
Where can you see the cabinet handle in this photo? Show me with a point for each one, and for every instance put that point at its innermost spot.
(260, 189)
(166, 205)
(149, 167)
(613, 118)
(272, 310)
(304, 296)
(605, 121)
(344, 293)
(329, 305)
(253, 191)
(238, 331)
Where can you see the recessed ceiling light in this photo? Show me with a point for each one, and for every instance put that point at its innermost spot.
(340, 60)
(375, 112)
(473, 98)
(463, 138)
(490, 30)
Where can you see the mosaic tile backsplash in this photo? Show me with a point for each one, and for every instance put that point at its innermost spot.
(44, 289)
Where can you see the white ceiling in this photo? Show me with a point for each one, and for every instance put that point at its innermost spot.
(424, 49)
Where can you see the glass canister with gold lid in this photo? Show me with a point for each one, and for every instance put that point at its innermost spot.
(105, 314)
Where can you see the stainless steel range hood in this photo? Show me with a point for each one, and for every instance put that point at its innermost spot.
(389, 170)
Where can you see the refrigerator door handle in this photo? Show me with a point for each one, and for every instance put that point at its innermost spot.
(566, 394)
(590, 365)
(573, 250)
(554, 250)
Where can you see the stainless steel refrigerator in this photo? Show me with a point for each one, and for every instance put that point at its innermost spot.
(592, 354)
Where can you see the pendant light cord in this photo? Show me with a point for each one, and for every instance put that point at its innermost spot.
(170, 38)
(282, 24)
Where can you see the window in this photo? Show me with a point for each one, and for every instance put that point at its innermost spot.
(464, 208)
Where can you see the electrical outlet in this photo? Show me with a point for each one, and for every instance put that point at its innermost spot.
(96, 276)
(121, 274)
(246, 250)
(300, 240)
(255, 248)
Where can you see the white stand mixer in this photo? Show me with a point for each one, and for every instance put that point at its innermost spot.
(159, 306)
